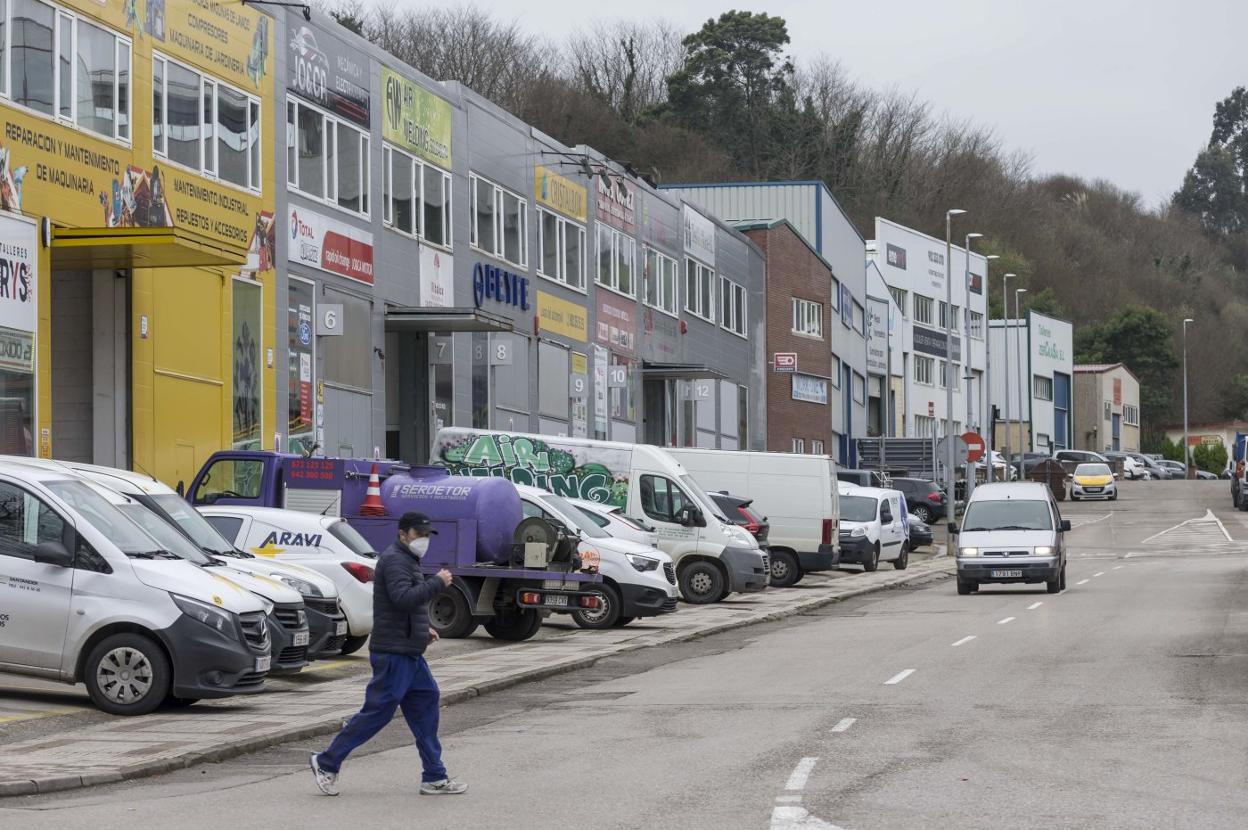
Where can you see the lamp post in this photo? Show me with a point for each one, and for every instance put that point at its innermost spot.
(1187, 459)
(1022, 450)
(949, 462)
(966, 353)
(1005, 335)
(986, 393)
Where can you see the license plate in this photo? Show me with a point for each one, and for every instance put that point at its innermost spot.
(556, 599)
(263, 663)
(340, 628)
(1006, 574)
(1092, 489)
(301, 638)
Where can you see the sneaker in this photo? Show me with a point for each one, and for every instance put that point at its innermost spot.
(326, 781)
(447, 786)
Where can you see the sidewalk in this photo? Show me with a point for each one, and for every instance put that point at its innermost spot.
(211, 731)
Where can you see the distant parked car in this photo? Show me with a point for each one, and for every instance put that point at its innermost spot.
(611, 519)
(924, 499)
(1155, 470)
(920, 533)
(1131, 468)
(864, 478)
(1205, 475)
(1028, 460)
(1080, 456)
(1174, 468)
(738, 511)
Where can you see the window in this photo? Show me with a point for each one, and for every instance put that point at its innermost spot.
(499, 222)
(617, 259)
(944, 315)
(66, 67)
(860, 388)
(561, 249)
(923, 309)
(1131, 415)
(699, 291)
(25, 521)
(660, 281)
(623, 398)
(732, 311)
(807, 318)
(1109, 412)
(241, 478)
(205, 125)
(836, 372)
(976, 324)
(899, 297)
(799, 445)
(1042, 388)
(836, 296)
(957, 375)
(923, 370)
(327, 159)
(860, 319)
(662, 499)
(416, 197)
(924, 427)
(816, 447)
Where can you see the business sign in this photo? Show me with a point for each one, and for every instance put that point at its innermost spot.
(895, 256)
(17, 351)
(321, 242)
(616, 201)
(660, 339)
(617, 325)
(489, 282)
(437, 278)
(929, 341)
(977, 283)
(877, 336)
(19, 268)
(415, 119)
(321, 69)
(810, 388)
(847, 306)
(315, 473)
(784, 362)
(561, 317)
(699, 235)
(560, 194)
(698, 390)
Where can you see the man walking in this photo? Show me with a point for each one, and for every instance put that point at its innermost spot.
(401, 677)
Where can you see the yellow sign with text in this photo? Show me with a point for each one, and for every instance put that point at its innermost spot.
(415, 119)
(559, 193)
(562, 317)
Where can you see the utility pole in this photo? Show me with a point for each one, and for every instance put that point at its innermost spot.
(950, 466)
(1005, 336)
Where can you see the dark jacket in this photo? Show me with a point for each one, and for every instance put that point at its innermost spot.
(401, 598)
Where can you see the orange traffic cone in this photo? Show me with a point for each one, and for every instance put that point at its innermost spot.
(372, 505)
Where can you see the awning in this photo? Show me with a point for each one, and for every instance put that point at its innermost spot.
(680, 371)
(444, 320)
(105, 248)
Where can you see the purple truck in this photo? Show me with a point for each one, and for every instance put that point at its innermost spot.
(509, 570)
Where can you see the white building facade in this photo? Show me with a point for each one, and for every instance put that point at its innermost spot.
(1044, 346)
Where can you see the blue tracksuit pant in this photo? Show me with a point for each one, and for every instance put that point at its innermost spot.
(402, 682)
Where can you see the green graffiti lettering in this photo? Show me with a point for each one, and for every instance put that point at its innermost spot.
(483, 452)
(508, 451)
(542, 481)
(521, 476)
(528, 456)
(566, 486)
(596, 487)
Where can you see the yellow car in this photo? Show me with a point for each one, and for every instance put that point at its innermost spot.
(1093, 481)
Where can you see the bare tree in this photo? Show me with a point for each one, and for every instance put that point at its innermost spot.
(625, 64)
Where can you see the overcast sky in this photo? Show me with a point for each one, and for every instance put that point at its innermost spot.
(1116, 89)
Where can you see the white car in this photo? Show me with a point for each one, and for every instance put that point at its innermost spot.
(873, 527)
(325, 544)
(638, 580)
(612, 519)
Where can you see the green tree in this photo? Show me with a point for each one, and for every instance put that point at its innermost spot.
(1215, 189)
(1171, 450)
(735, 86)
(1235, 397)
(1143, 339)
(1211, 458)
(1045, 302)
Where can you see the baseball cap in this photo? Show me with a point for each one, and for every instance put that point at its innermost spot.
(415, 520)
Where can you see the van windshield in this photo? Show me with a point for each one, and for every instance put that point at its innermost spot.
(858, 509)
(104, 517)
(165, 534)
(192, 523)
(708, 505)
(574, 516)
(1007, 514)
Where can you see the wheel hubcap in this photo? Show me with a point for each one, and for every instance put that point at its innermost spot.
(596, 615)
(442, 612)
(779, 569)
(700, 583)
(124, 675)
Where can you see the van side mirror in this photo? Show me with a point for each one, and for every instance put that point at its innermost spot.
(953, 528)
(181, 488)
(53, 553)
(690, 516)
(1065, 525)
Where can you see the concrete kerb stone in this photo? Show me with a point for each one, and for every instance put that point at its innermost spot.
(325, 726)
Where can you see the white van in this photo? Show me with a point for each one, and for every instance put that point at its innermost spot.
(637, 580)
(797, 494)
(713, 557)
(873, 527)
(93, 600)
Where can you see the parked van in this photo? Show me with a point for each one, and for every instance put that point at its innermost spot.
(713, 557)
(797, 494)
(95, 600)
(873, 527)
(1011, 533)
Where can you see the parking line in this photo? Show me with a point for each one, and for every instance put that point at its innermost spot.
(898, 677)
(1083, 582)
(964, 640)
(801, 772)
(1116, 567)
(1034, 606)
(844, 724)
(1098, 573)
(1004, 621)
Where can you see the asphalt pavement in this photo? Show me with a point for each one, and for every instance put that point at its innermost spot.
(1119, 703)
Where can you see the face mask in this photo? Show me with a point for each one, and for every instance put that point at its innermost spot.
(419, 546)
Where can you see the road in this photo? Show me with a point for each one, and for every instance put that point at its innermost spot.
(1119, 703)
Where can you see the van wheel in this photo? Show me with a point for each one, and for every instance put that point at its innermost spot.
(784, 569)
(516, 625)
(450, 616)
(127, 674)
(606, 614)
(904, 559)
(965, 586)
(873, 560)
(701, 583)
(353, 644)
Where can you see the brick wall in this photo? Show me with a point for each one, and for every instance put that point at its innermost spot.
(793, 270)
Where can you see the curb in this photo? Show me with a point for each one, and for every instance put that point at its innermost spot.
(59, 783)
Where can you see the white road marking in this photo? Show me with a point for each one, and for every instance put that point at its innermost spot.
(796, 818)
(1207, 519)
(964, 640)
(843, 724)
(801, 772)
(898, 677)
(1004, 621)
(1077, 524)
(1034, 606)
(788, 799)
(1098, 573)
(1221, 527)
(1083, 582)
(1116, 567)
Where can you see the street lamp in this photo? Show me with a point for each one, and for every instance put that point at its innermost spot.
(986, 393)
(949, 462)
(1005, 335)
(1187, 460)
(966, 353)
(1022, 450)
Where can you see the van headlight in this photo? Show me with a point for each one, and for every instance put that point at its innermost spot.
(968, 551)
(218, 619)
(858, 531)
(642, 563)
(305, 588)
(1043, 550)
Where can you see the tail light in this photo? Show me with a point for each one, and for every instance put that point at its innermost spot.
(531, 598)
(589, 602)
(752, 526)
(828, 526)
(362, 573)
(936, 496)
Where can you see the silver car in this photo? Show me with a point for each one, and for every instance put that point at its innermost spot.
(1011, 533)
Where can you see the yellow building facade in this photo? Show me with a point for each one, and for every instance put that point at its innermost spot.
(137, 323)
